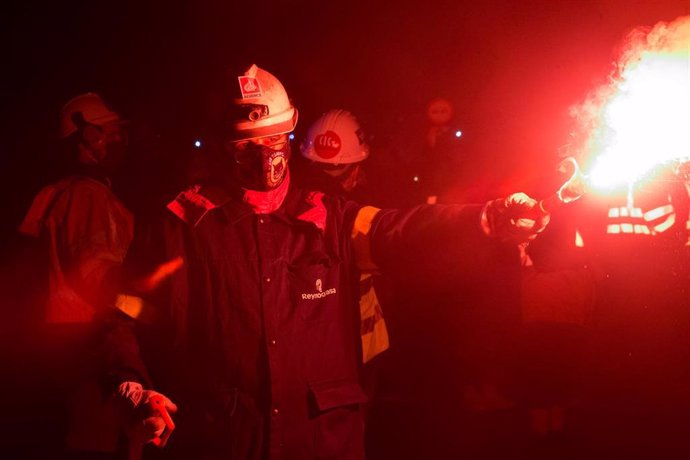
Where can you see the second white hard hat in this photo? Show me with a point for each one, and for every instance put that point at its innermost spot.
(335, 138)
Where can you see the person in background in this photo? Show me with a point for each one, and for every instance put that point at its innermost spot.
(335, 149)
(83, 232)
(437, 165)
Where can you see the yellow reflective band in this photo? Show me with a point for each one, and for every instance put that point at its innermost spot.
(658, 212)
(665, 225)
(361, 238)
(642, 230)
(375, 343)
(579, 242)
(373, 331)
(136, 308)
(613, 229)
(130, 305)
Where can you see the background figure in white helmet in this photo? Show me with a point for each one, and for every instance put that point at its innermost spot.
(82, 231)
(96, 133)
(254, 284)
(335, 149)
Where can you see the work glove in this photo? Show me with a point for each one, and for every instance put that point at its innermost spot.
(516, 219)
(145, 413)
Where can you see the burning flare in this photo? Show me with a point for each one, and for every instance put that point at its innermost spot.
(641, 119)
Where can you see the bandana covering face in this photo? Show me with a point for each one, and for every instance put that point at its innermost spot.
(262, 168)
(266, 202)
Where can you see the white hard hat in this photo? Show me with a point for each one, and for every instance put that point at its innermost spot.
(335, 138)
(88, 108)
(261, 106)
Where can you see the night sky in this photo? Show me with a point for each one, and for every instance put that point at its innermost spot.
(511, 68)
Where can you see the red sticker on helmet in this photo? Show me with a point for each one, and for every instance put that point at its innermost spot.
(249, 87)
(327, 145)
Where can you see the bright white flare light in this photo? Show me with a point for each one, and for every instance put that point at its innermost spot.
(642, 119)
(197, 143)
(458, 133)
(647, 122)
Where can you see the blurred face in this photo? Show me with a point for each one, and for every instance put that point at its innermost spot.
(439, 112)
(104, 145)
(348, 176)
(115, 144)
(261, 163)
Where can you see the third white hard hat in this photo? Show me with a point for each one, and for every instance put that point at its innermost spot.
(89, 108)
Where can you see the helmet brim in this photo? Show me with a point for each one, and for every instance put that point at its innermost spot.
(264, 131)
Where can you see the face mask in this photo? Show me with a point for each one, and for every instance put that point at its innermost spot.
(259, 167)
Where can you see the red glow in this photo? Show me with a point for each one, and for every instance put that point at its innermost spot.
(642, 117)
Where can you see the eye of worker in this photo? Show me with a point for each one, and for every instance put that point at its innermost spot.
(275, 142)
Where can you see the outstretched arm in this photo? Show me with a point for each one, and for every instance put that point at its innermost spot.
(441, 243)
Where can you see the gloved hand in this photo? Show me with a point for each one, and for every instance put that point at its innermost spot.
(516, 219)
(144, 422)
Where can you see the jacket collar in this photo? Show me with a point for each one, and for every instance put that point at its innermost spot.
(298, 206)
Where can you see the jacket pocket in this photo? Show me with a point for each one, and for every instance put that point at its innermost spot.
(336, 393)
(338, 419)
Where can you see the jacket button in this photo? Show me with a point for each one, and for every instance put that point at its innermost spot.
(261, 220)
(275, 411)
(272, 342)
(267, 279)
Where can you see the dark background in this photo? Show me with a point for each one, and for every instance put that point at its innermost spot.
(510, 68)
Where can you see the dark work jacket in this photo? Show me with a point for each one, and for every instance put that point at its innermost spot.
(256, 338)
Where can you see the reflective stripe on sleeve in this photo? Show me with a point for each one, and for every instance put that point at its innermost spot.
(373, 331)
(135, 307)
(130, 305)
(361, 238)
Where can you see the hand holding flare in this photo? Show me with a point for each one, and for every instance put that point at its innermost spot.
(519, 218)
(571, 190)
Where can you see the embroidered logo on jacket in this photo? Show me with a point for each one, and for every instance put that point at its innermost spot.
(320, 293)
